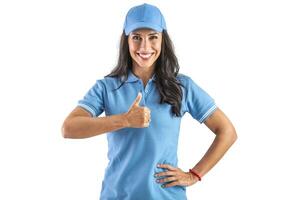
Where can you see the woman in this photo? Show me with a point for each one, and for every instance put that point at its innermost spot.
(144, 99)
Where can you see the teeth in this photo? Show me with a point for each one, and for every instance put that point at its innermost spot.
(145, 55)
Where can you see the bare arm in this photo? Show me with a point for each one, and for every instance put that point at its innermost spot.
(80, 123)
(226, 135)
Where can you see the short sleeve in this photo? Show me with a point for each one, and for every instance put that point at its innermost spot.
(198, 102)
(93, 100)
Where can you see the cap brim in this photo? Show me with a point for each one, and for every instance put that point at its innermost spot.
(142, 25)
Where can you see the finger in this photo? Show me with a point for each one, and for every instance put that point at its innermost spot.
(147, 117)
(137, 99)
(146, 109)
(170, 167)
(146, 124)
(170, 184)
(166, 173)
(168, 179)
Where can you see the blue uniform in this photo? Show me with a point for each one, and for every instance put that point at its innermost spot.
(133, 153)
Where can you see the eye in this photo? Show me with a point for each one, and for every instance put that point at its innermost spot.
(153, 37)
(136, 37)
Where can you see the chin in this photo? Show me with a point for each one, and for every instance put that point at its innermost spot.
(144, 66)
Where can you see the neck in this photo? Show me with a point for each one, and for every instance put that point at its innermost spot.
(143, 73)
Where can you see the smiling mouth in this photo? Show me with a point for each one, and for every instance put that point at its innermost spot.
(145, 56)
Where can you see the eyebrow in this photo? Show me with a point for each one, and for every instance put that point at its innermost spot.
(153, 33)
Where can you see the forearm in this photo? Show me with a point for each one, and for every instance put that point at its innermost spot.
(216, 151)
(84, 127)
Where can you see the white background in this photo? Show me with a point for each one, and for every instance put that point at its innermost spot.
(245, 54)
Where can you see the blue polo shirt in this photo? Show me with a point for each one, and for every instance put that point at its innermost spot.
(133, 153)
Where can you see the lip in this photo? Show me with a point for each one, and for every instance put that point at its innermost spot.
(145, 56)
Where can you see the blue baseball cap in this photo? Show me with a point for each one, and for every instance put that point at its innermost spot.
(144, 16)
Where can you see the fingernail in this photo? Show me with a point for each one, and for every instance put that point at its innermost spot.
(158, 165)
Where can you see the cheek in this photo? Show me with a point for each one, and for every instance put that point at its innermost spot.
(132, 50)
(158, 49)
(132, 46)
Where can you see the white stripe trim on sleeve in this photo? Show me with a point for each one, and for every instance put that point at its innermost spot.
(88, 108)
(208, 113)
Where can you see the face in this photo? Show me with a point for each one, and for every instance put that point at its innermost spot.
(144, 47)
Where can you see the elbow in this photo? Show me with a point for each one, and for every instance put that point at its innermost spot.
(232, 135)
(228, 135)
(66, 130)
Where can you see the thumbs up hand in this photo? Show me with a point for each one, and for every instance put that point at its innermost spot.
(137, 116)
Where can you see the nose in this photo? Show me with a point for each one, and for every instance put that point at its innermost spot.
(145, 45)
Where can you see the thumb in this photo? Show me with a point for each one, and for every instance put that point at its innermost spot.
(137, 99)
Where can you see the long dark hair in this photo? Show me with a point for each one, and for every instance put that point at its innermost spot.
(166, 70)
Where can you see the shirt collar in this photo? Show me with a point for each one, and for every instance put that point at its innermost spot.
(133, 78)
